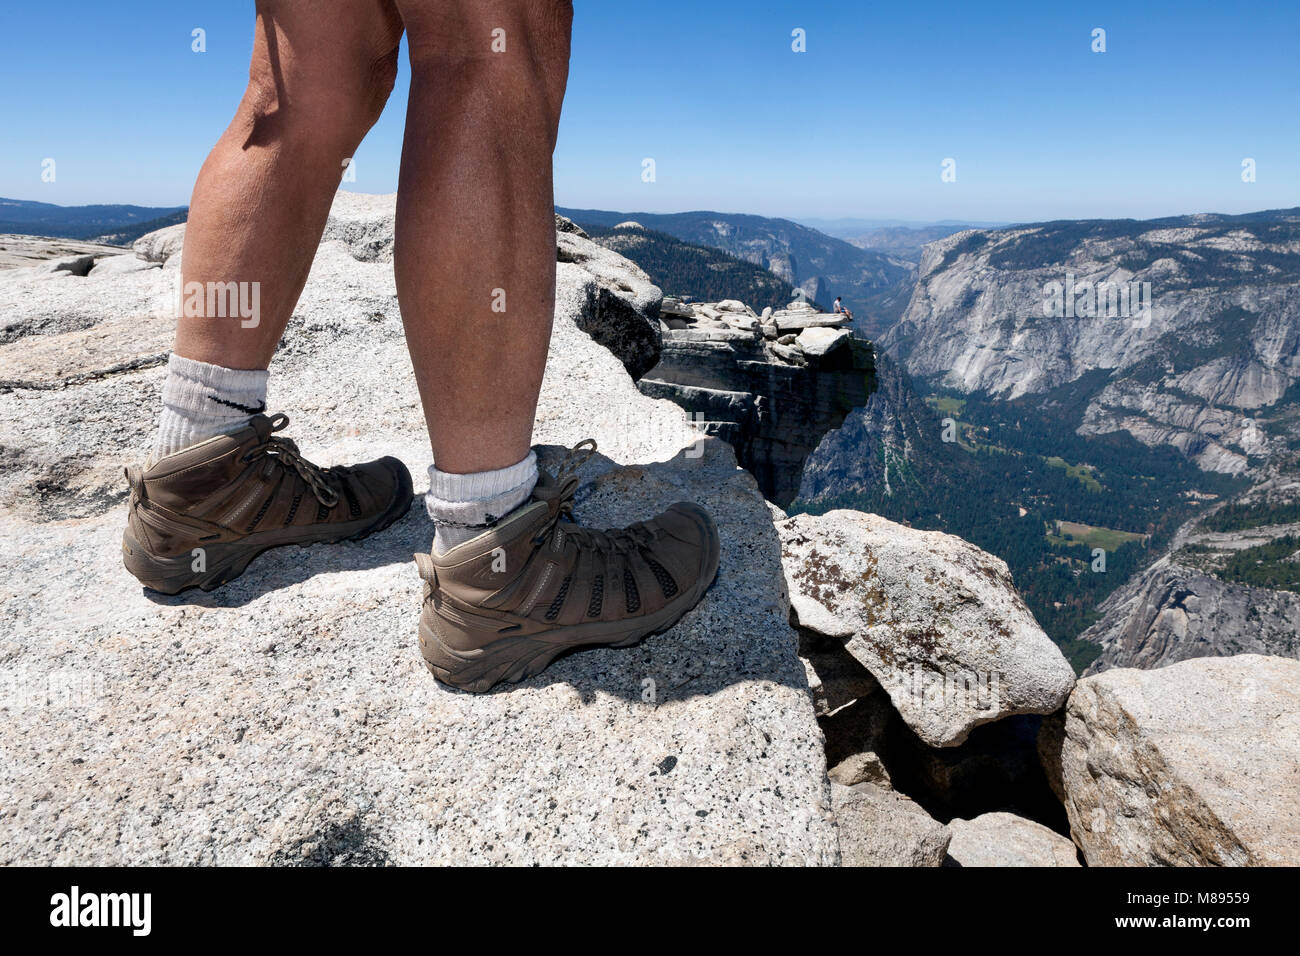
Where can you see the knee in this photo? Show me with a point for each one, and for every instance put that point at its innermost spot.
(324, 105)
(375, 83)
(504, 62)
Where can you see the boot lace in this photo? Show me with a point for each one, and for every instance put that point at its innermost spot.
(562, 489)
(285, 451)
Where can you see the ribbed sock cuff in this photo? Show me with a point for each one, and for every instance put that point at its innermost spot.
(202, 400)
(463, 506)
(188, 381)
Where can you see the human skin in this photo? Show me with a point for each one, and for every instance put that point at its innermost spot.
(475, 239)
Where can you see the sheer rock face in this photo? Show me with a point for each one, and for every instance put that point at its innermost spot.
(933, 618)
(1180, 607)
(773, 401)
(1197, 763)
(1200, 370)
(1170, 613)
(894, 433)
(288, 717)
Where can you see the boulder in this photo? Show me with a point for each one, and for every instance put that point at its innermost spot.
(732, 305)
(288, 717)
(807, 319)
(611, 299)
(77, 265)
(1193, 764)
(865, 767)
(674, 306)
(160, 245)
(1004, 839)
(745, 322)
(879, 827)
(787, 353)
(363, 223)
(819, 342)
(996, 768)
(117, 265)
(936, 620)
(565, 224)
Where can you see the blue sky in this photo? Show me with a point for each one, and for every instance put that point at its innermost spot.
(1040, 126)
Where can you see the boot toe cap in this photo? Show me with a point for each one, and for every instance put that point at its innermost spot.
(694, 526)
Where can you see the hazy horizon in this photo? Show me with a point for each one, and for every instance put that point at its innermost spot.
(813, 222)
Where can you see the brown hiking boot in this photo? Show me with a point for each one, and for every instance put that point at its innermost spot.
(198, 517)
(503, 605)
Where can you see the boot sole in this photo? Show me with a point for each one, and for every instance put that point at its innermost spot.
(511, 660)
(228, 560)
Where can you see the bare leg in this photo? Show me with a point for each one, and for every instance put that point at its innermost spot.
(475, 244)
(320, 75)
(475, 223)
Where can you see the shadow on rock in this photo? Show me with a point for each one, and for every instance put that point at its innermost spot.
(739, 632)
(289, 565)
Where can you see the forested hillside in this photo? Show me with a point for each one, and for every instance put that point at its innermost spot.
(106, 223)
(1017, 481)
(703, 273)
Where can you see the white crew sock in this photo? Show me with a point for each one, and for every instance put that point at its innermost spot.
(464, 506)
(202, 400)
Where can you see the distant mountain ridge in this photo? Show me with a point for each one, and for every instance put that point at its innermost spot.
(1207, 369)
(894, 237)
(875, 286)
(833, 227)
(115, 223)
(1153, 416)
(902, 242)
(704, 273)
(125, 235)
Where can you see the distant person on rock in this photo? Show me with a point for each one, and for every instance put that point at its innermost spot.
(511, 581)
(840, 310)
